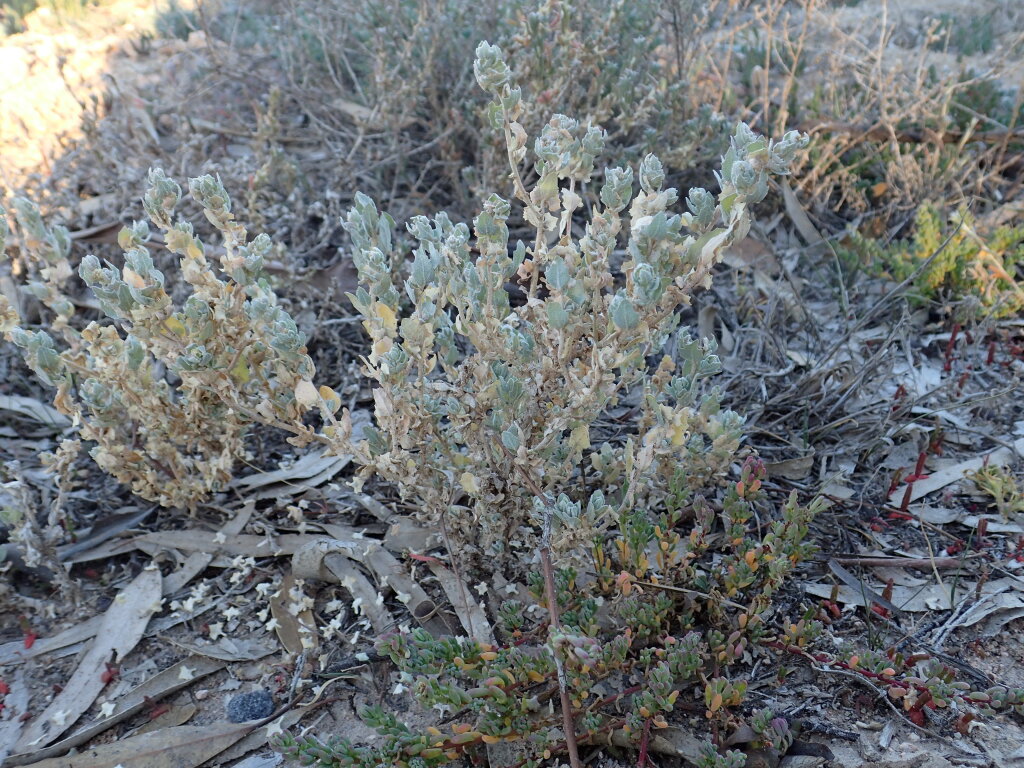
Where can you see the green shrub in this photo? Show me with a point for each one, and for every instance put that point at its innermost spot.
(12, 15)
(979, 270)
(980, 95)
(172, 21)
(13, 12)
(967, 36)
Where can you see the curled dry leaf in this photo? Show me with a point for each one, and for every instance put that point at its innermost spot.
(329, 560)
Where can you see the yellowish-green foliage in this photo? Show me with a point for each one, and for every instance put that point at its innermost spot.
(978, 267)
(1001, 486)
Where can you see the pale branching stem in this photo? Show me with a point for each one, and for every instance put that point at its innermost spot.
(276, 423)
(517, 179)
(535, 274)
(568, 219)
(568, 723)
(524, 196)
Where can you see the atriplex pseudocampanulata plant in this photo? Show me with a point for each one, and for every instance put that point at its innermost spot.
(165, 393)
(496, 416)
(483, 410)
(489, 414)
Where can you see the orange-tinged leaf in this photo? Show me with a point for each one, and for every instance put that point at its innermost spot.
(716, 702)
(133, 278)
(751, 558)
(625, 582)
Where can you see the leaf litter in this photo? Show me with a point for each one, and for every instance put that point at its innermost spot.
(828, 411)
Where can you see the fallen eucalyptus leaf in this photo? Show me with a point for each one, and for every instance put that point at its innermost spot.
(15, 703)
(296, 630)
(328, 560)
(959, 471)
(175, 715)
(136, 700)
(123, 626)
(183, 746)
(196, 562)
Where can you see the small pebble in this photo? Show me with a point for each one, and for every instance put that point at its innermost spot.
(254, 705)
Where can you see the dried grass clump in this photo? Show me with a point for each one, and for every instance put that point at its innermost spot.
(389, 88)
